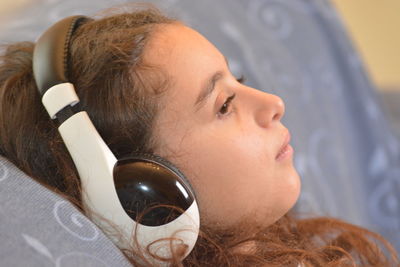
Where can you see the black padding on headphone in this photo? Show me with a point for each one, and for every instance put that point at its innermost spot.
(67, 112)
(50, 58)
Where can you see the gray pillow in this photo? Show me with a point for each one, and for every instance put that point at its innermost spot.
(39, 228)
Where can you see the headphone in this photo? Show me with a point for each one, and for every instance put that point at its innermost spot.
(117, 190)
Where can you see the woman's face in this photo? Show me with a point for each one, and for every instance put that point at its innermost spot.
(226, 137)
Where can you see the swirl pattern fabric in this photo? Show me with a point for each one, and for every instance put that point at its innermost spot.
(346, 152)
(39, 228)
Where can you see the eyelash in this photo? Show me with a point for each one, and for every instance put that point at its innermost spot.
(225, 107)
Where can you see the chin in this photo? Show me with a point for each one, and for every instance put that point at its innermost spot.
(296, 186)
(293, 193)
(290, 195)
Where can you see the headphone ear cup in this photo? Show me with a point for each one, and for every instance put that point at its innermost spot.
(152, 190)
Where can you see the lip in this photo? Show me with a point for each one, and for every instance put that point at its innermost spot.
(285, 149)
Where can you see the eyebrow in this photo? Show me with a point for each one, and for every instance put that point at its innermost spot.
(208, 88)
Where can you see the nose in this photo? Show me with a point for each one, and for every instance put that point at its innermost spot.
(269, 109)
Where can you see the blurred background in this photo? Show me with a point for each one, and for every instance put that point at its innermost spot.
(374, 28)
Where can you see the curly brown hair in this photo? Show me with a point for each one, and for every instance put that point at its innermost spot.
(122, 95)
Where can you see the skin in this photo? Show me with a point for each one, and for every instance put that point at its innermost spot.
(228, 153)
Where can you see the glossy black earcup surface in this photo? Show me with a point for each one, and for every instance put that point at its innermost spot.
(144, 182)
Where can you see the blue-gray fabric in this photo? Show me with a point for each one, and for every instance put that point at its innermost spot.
(39, 228)
(345, 151)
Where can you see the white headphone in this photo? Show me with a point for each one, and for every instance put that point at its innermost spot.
(114, 192)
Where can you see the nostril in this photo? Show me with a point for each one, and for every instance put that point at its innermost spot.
(277, 116)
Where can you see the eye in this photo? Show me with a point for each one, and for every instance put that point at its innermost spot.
(225, 108)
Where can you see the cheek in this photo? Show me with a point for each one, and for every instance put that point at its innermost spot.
(230, 178)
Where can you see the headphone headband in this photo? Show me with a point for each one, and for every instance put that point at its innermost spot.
(51, 56)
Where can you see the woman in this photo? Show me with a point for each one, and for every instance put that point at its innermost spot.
(152, 85)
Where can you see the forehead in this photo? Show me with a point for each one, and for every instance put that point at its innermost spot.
(182, 51)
